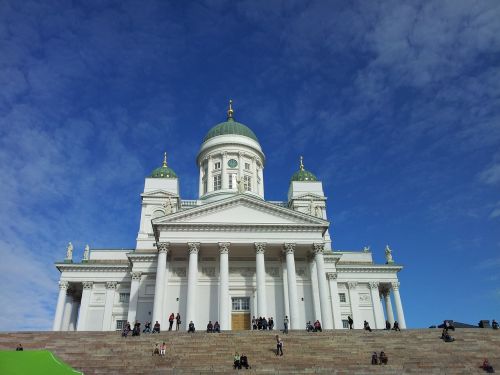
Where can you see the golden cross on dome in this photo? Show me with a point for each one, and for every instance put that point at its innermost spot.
(165, 159)
(301, 163)
(230, 111)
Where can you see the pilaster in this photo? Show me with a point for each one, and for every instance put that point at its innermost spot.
(335, 300)
(354, 299)
(108, 305)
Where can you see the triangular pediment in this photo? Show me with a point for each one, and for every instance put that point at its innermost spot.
(241, 210)
(158, 194)
(309, 196)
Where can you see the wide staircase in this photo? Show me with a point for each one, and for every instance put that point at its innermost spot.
(417, 351)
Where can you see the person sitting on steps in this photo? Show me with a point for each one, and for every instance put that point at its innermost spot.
(446, 336)
(19, 348)
(147, 327)
(383, 358)
(309, 327)
(156, 327)
(487, 367)
(366, 326)
(387, 325)
(191, 327)
(317, 326)
(126, 330)
(210, 327)
(156, 350)
(244, 362)
(237, 362)
(396, 326)
(374, 358)
(494, 324)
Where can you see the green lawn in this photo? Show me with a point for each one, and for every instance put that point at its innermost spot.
(36, 362)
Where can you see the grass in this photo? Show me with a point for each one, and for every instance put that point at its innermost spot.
(39, 362)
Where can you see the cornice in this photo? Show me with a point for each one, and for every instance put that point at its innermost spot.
(142, 257)
(370, 269)
(92, 267)
(234, 227)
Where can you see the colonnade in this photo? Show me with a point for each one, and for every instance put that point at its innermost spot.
(69, 316)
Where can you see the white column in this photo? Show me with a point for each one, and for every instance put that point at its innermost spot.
(61, 302)
(399, 305)
(378, 313)
(84, 305)
(68, 311)
(108, 306)
(285, 286)
(315, 291)
(224, 286)
(292, 287)
(354, 300)
(200, 187)
(194, 247)
(254, 176)
(262, 181)
(388, 306)
(224, 176)
(260, 248)
(334, 295)
(134, 296)
(210, 180)
(327, 322)
(73, 320)
(161, 267)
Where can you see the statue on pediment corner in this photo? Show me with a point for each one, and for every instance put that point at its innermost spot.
(388, 255)
(69, 251)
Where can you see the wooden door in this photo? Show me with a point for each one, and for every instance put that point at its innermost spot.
(240, 321)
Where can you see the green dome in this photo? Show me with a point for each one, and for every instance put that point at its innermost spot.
(302, 174)
(164, 171)
(230, 127)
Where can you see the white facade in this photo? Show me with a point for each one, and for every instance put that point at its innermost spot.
(228, 255)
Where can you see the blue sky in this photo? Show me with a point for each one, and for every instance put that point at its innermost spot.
(395, 106)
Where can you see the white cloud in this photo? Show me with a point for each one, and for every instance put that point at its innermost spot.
(491, 175)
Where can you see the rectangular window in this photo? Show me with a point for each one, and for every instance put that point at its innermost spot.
(204, 186)
(342, 297)
(217, 165)
(124, 297)
(217, 182)
(247, 166)
(345, 323)
(120, 324)
(230, 176)
(241, 303)
(247, 183)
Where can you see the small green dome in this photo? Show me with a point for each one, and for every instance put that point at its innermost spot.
(230, 127)
(164, 171)
(302, 174)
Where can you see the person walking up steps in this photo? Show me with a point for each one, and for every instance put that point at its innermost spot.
(279, 346)
(285, 323)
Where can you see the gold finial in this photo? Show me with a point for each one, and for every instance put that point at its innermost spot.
(301, 163)
(164, 159)
(230, 110)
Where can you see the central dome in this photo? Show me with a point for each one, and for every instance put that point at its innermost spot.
(230, 127)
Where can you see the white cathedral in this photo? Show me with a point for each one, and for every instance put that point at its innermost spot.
(228, 255)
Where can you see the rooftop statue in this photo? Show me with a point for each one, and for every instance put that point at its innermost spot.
(69, 251)
(388, 255)
(86, 252)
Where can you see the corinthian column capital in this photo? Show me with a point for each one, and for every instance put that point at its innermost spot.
(373, 284)
(395, 285)
(63, 285)
(224, 247)
(163, 247)
(194, 247)
(318, 247)
(87, 284)
(331, 275)
(260, 247)
(111, 285)
(352, 284)
(289, 247)
(136, 275)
